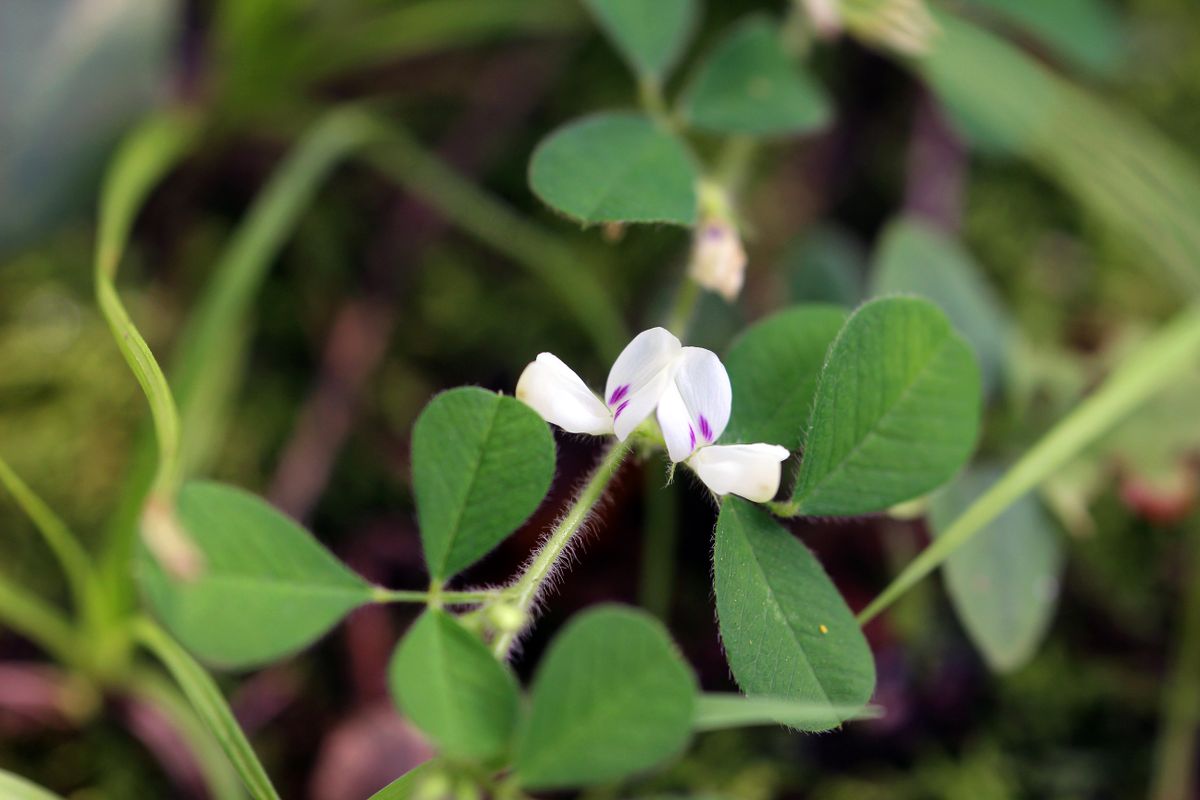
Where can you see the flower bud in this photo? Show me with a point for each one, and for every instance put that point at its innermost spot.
(825, 16)
(718, 258)
(506, 617)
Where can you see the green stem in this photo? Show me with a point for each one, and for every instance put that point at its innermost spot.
(548, 260)
(1175, 760)
(381, 595)
(684, 307)
(527, 588)
(1156, 364)
(38, 622)
(207, 356)
(659, 542)
(202, 692)
(222, 781)
(73, 559)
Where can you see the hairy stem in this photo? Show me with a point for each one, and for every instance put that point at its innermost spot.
(1156, 365)
(527, 588)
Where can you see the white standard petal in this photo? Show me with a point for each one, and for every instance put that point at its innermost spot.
(694, 409)
(552, 389)
(638, 377)
(748, 470)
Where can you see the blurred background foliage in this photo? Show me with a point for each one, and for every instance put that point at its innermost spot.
(377, 299)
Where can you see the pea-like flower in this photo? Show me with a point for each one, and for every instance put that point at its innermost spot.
(688, 391)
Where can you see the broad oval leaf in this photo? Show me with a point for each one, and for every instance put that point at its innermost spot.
(896, 410)
(914, 257)
(448, 683)
(748, 84)
(649, 35)
(774, 367)
(14, 787)
(265, 587)
(787, 631)
(413, 785)
(612, 697)
(615, 167)
(481, 465)
(1004, 581)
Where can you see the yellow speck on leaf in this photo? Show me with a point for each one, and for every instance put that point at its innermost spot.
(823, 629)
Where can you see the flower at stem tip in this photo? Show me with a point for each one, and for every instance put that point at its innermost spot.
(687, 390)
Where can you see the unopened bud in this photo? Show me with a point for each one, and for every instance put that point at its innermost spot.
(506, 617)
(825, 17)
(718, 258)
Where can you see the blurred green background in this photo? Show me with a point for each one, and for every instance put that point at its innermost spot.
(381, 296)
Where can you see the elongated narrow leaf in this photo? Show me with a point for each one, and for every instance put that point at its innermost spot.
(716, 712)
(265, 587)
(774, 367)
(1085, 33)
(412, 785)
(1129, 175)
(896, 410)
(1004, 582)
(449, 684)
(649, 35)
(481, 465)
(748, 84)
(615, 167)
(14, 787)
(611, 698)
(786, 629)
(914, 257)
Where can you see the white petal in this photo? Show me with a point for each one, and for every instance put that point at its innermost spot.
(552, 389)
(638, 378)
(747, 470)
(694, 409)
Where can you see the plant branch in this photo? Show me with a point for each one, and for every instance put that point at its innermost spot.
(38, 622)
(1154, 366)
(529, 586)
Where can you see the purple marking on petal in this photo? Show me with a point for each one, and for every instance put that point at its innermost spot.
(713, 232)
(618, 393)
(692, 436)
(620, 408)
(705, 429)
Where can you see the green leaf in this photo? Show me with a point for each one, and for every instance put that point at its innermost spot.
(826, 265)
(1003, 582)
(615, 167)
(748, 84)
(14, 787)
(265, 589)
(919, 259)
(649, 35)
(447, 682)
(715, 712)
(412, 785)
(896, 412)
(611, 698)
(786, 629)
(482, 463)
(1085, 33)
(774, 367)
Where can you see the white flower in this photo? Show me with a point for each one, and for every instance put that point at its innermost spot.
(718, 259)
(688, 390)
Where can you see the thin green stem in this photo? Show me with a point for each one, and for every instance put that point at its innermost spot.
(381, 595)
(38, 622)
(153, 688)
(659, 542)
(1156, 365)
(1174, 777)
(486, 218)
(684, 308)
(73, 559)
(202, 692)
(529, 586)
